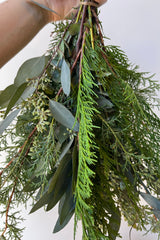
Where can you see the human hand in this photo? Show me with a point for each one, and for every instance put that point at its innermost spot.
(64, 7)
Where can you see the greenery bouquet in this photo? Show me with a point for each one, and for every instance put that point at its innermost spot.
(79, 129)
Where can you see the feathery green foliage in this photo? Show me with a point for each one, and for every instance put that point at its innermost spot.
(83, 134)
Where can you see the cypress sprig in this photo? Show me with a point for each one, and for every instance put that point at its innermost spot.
(83, 134)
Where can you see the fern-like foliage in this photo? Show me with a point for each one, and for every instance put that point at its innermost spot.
(84, 135)
(87, 157)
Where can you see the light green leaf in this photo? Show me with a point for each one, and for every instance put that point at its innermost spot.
(30, 69)
(7, 121)
(16, 97)
(66, 77)
(6, 95)
(63, 115)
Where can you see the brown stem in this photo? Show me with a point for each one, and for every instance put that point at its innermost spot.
(75, 61)
(20, 150)
(8, 206)
(102, 41)
(78, 45)
(59, 92)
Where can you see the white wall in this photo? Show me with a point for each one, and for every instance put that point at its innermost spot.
(134, 26)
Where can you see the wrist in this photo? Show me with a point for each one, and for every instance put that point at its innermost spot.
(41, 13)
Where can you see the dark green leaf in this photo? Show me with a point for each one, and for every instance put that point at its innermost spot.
(74, 165)
(59, 226)
(68, 204)
(45, 199)
(156, 213)
(61, 172)
(62, 115)
(56, 76)
(6, 95)
(30, 69)
(60, 189)
(104, 103)
(65, 150)
(62, 134)
(7, 121)
(57, 62)
(66, 77)
(15, 97)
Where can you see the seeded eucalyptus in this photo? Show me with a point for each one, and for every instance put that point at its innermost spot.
(79, 130)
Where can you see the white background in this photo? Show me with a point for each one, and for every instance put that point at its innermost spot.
(134, 26)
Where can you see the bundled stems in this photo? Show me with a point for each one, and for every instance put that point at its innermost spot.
(87, 137)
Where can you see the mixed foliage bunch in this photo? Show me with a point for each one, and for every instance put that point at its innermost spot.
(79, 130)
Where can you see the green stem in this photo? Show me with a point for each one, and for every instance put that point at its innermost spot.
(91, 26)
(117, 139)
(79, 13)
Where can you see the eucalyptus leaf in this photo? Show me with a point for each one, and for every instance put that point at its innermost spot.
(6, 95)
(63, 115)
(59, 226)
(7, 121)
(15, 97)
(30, 69)
(56, 76)
(61, 134)
(152, 201)
(74, 165)
(60, 172)
(66, 77)
(59, 191)
(45, 199)
(60, 181)
(156, 213)
(57, 61)
(64, 151)
(68, 205)
(104, 103)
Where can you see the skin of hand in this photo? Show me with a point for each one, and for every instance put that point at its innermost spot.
(21, 20)
(63, 7)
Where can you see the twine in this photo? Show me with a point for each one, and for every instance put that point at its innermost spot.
(93, 4)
